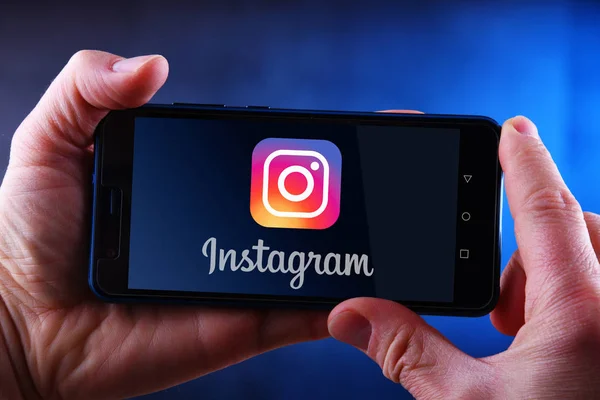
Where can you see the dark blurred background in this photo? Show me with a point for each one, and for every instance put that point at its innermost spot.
(537, 58)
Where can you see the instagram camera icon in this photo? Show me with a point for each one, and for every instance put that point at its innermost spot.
(295, 183)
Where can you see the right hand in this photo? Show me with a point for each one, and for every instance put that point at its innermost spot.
(550, 299)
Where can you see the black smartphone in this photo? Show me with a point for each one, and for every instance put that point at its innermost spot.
(256, 206)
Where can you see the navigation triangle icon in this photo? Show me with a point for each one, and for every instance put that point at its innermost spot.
(467, 177)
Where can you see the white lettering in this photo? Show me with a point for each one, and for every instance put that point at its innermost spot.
(248, 261)
(358, 264)
(336, 268)
(298, 279)
(317, 257)
(259, 255)
(223, 260)
(280, 266)
(276, 262)
(212, 242)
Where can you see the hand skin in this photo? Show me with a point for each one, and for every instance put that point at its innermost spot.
(550, 299)
(57, 341)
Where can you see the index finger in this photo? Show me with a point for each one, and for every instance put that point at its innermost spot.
(549, 223)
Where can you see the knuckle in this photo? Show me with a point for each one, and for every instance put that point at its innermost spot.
(593, 223)
(580, 332)
(405, 355)
(552, 198)
(556, 203)
(592, 217)
(81, 57)
(82, 85)
(573, 291)
(89, 85)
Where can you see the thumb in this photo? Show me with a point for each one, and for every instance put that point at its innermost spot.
(408, 350)
(91, 84)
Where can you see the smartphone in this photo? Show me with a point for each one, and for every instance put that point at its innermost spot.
(257, 206)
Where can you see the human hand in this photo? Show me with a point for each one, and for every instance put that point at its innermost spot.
(550, 299)
(56, 339)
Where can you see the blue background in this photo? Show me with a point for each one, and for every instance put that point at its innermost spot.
(541, 59)
(191, 182)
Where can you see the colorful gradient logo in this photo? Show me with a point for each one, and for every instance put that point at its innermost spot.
(296, 183)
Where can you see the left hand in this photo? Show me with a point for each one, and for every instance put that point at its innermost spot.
(56, 339)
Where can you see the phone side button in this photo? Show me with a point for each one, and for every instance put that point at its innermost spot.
(258, 107)
(93, 179)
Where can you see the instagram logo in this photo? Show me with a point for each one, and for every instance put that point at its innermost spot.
(295, 183)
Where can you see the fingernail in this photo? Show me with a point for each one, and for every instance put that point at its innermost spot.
(131, 64)
(524, 126)
(352, 328)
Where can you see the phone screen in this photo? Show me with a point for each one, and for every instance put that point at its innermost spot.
(328, 210)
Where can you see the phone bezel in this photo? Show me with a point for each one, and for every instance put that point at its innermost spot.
(476, 288)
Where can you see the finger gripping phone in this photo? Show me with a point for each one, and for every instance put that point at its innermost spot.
(271, 207)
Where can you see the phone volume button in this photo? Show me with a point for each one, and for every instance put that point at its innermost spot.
(258, 107)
